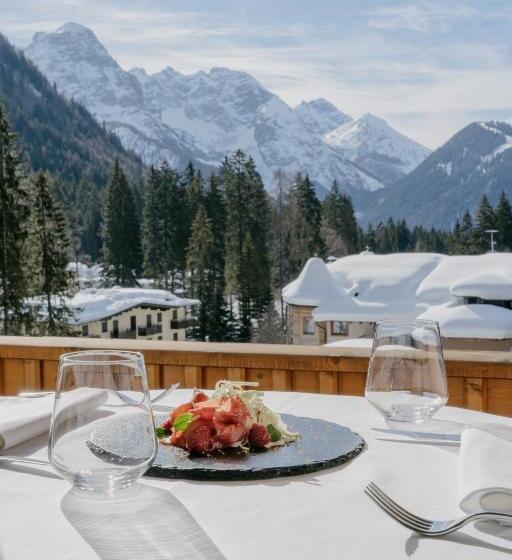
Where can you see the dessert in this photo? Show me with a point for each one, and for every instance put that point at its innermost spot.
(233, 417)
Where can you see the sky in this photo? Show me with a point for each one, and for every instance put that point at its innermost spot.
(428, 68)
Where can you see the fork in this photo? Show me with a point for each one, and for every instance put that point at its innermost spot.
(424, 526)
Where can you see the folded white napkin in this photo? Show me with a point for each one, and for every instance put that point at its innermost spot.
(24, 418)
(485, 468)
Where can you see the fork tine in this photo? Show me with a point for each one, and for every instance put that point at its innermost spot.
(399, 508)
(390, 512)
(408, 522)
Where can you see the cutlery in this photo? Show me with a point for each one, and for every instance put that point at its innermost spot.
(14, 459)
(443, 442)
(427, 527)
(420, 435)
(162, 408)
(125, 398)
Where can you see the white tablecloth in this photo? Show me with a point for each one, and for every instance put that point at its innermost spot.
(321, 515)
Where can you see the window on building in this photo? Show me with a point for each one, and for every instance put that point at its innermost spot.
(85, 330)
(174, 314)
(175, 336)
(308, 325)
(159, 338)
(115, 328)
(158, 317)
(339, 328)
(133, 322)
(148, 320)
(104, 326)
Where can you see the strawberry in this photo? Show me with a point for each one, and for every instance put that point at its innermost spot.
(199, 396)
(259, 436)
(167, 424)
(197, 437)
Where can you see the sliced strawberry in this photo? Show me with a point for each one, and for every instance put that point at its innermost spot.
(199, 396)
(197, 437)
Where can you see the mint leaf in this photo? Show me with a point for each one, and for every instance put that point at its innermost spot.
(161, 433)
(274, 433)
(183, 420)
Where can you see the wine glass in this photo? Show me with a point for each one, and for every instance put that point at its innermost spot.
(99, 442)
(406, 379)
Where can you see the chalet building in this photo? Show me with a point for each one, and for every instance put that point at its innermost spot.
(130, 313)
(338, 303)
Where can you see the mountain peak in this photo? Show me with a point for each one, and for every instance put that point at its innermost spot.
(76, 28)
(370, 119)
(321, 115)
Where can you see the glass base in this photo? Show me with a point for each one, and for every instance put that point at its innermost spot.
(408, 413)
(104, 481)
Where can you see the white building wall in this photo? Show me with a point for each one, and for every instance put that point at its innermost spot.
(96, 328)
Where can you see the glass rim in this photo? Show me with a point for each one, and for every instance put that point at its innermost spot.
(80, 357)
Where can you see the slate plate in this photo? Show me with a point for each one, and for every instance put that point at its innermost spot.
(322, 445)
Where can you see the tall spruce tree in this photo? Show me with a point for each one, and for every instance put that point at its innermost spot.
(152, 227)
(175, 216)
(247, 224)
(200, 257)
(339, 224)
(91, 229)
(305, 224)
(504, 223)
(485, 220)
(13, 231)
(48, 249)
(122, 253)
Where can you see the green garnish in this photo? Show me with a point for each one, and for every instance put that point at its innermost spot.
(183, 420)
(274, 433)
(161, 433)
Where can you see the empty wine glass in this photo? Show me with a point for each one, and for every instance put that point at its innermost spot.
(98, 441)
(406, 377)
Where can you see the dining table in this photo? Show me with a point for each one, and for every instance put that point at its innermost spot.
(320, 515)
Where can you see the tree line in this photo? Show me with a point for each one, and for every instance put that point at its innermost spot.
(222, 239)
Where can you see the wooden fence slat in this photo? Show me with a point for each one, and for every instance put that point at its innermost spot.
(328, 382)
(32, 370)
(281, 380)
(474, 394)
(193, 376)
(153, 375)
(236, 374)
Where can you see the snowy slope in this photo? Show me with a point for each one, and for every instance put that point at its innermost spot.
(321, 116)
(203, 116)
(377, 148)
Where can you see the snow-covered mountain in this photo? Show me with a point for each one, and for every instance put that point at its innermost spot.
(203, 116)
(377, 148)
(475, 161)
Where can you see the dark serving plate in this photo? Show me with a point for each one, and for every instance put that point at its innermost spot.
(321, 445)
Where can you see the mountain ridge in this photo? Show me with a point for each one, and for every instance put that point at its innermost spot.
(202, 116)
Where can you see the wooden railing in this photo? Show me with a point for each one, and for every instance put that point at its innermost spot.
(476, 380)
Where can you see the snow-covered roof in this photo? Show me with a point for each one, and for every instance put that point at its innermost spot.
(369, 287)
(351, 343)
(451, 270)
(472, 321)
(98, 304)
(314, 285)
(489, 285)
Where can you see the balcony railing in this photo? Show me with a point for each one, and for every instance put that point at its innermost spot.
(128, 333)
(181, 324)
(477, 380)
(151, 330)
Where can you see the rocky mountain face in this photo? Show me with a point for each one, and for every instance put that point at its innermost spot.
(375, 147)
(55, 133)
(203, 116)
(475, 161)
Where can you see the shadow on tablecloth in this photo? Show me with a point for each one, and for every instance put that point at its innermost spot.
(140, 522)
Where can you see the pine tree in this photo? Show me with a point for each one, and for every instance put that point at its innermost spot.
(200, 254)
(214, 201)
(270, 329)
(48, 249)
(176, 222)
(13, 216)
(122, 253)
(339, 224)
(306, 224)
(91, 232)
(485, 220)
(504, 223)
(152, 227)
